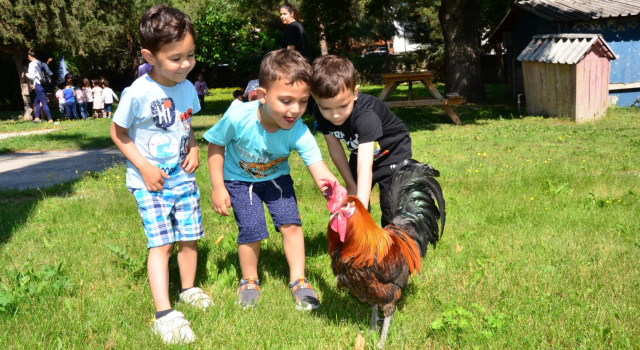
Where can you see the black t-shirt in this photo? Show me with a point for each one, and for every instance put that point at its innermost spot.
(294, 35)
(370, 120)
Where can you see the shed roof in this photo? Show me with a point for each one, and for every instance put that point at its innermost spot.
(576, 10)
(567, 10)
(563, 48)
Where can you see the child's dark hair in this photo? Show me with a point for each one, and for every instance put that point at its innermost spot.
(62, 85)
(288, 65)
(105, 84)
(331, 75)
(69, 76)
(86, 82)
(237, 93)
(162, 25)
(291, 8)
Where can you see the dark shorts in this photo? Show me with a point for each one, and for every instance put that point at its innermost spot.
(247, 199)
(107, 107)
(382, 176)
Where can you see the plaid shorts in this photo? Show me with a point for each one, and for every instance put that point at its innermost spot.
(170, 215)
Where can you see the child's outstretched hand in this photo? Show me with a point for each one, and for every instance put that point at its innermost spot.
(153, 177)
(191, 161)
(220, 201)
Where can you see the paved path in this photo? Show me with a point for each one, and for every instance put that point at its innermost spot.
(32, 170)
(12, 134)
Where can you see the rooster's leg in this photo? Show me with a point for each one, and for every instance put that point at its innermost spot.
(385, 329)
(374, 317)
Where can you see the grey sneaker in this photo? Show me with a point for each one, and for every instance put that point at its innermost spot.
(249, 292)
(174, 328)
(303, 295)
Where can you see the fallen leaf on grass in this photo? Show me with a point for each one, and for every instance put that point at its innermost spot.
(458, 249)
(359, 345)
(220, 238)
(109, 345)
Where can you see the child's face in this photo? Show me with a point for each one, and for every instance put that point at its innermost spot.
(338, 108)
(200, 78)
(284, 104)
(172, 62)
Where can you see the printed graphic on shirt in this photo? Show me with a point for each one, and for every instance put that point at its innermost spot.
(352, 144)
(159, 146)
(163, 112)
(259, 165)
(184, 147)
(185, 118)
(169, 168)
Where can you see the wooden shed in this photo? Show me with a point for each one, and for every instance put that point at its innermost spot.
(567, 75)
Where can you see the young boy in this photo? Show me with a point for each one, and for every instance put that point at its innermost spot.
(237, 98)
(108, 95)
(152, 128)
(248, 165)
(358, 120)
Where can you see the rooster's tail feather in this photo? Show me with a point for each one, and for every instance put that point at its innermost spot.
(417, 202)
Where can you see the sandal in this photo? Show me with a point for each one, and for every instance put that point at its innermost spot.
(249, 292)
(303, 295)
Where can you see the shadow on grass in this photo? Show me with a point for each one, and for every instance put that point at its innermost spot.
(17, 206)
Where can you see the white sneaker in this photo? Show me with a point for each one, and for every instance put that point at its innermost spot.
(196, 297)
(173, 328)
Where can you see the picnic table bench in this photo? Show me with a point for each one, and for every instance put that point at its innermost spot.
(394, 79)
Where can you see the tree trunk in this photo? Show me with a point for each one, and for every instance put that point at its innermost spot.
(500, 62)
(463, 75)
(25, 84)
(324, 50)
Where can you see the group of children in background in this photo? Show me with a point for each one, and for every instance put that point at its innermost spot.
(85, 99)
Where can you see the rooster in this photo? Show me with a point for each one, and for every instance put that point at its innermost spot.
(375, 263)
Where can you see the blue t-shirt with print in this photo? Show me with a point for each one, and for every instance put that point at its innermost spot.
(251, 153)
(159, 120)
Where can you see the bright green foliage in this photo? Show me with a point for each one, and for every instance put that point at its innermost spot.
(224, 38)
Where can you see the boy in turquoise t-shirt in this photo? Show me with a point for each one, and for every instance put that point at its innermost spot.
(248, 165)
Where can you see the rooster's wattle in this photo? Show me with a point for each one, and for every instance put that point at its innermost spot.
(374, 263)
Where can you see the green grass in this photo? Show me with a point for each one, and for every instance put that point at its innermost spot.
(540, 250)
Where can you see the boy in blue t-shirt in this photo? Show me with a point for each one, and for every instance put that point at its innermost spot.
(152, 128)
(248, 165)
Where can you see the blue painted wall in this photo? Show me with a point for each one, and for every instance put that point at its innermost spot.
(621, 34)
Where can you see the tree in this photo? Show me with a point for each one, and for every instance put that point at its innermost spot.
(460, 28)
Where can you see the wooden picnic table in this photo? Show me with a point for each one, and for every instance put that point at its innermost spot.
(394, 79)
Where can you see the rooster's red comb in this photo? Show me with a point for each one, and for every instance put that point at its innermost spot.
(334, 193)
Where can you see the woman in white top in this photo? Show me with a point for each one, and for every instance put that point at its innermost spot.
(39, 73)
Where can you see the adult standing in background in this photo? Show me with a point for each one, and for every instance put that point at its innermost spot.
(143, 69)
(294, 37)
(39, 72)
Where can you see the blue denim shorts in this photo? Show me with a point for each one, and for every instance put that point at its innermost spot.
(107, 107)
(171, 214)
(247, 198)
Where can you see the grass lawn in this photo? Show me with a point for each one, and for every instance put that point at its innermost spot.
(540, 250)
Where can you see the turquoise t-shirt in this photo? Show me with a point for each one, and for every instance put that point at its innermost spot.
(251, 153)
(159, 120)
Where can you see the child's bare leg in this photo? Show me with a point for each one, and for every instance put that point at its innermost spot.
(158, 270)
(293, 244)
(188, 262)
(249, 254)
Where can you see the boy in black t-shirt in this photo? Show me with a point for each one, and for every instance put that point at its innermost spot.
(358, 120)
